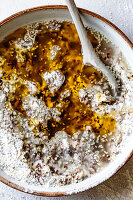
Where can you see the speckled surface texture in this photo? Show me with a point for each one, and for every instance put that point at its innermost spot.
(120, 12)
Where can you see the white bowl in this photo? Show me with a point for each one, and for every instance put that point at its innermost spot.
(126, 47)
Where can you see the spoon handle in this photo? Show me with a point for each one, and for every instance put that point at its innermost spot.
(89, 54)
(87, 47)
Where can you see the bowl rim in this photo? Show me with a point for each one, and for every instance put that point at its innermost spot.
(8, 19)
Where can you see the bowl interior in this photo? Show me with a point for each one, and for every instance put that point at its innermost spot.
(93, 21)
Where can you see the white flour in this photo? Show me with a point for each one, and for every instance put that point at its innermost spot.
(62, 159)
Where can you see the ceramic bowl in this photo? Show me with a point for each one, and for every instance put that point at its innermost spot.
(120, 40)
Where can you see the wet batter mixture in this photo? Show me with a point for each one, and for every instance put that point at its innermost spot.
(59, 122)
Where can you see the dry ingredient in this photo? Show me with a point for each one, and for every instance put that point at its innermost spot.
(59, 123)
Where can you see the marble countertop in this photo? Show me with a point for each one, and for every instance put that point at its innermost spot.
(120, 12)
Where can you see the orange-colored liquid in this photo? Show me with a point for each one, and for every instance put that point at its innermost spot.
(75, 116)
